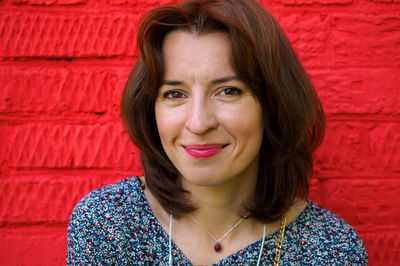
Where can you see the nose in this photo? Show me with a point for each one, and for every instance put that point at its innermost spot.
(200, 117)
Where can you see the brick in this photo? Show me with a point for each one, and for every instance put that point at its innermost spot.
(307, 32)
(67, 35)
(315, 190)
(386, 1)
(370, 203)
(46, 199)
(359, 149)
(144, 3)
(358, 91)
(34, 249)
(33, 2)
(383, 247)
(334, 40)
(313, 2)
(67, 146)
(3, 150)
(365, 40)
(48, 2)
(57, 89)
(72, 2)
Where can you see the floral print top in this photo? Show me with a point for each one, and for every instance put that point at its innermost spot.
(114, 225)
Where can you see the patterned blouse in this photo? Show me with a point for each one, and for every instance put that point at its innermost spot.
(114, 225)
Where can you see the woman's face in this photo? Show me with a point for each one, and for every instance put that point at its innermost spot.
(209, 122)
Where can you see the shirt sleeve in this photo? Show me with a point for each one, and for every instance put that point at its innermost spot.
(357, 253)
(88, 240)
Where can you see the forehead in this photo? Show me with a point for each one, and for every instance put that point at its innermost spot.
(190, 53)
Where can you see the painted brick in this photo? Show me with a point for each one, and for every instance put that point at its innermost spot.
(48, 2)
(3, 150)
(57, 89)
(365, 40)
(358, 91)
(383, 247)
(33, 2)
(359, 149)
(44, 199)
(39, 249)
(145, 3)
(351, 50)
(312, 2)
(315, 190)
(370, 203)
(71, 146)
(328, 39)
(307, 32)
(386, 1)
(67, 35)
(71, 2)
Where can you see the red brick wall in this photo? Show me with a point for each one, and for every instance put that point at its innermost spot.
(63, 64)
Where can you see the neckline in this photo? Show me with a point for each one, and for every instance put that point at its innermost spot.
(164, 237)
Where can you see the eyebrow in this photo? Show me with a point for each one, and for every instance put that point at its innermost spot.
(220, 80)
(171, 82)
(224, 79)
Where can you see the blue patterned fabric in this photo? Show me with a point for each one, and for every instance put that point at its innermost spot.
(114, 225)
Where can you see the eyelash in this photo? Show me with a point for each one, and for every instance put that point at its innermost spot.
(236, 90)
(168, 94)
(225, 91)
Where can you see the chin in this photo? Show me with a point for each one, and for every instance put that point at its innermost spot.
(204, 179)
(201, 181)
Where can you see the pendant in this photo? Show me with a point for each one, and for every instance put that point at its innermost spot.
(217, 247)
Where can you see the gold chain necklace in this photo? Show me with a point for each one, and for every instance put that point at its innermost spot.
(280, 240)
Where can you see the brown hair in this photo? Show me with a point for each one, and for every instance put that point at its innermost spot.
(264, 60)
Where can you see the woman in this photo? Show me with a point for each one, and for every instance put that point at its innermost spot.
(226, 121)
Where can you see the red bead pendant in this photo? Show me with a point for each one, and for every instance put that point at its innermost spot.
(217, 247)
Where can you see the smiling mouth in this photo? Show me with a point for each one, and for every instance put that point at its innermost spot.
(204, 151)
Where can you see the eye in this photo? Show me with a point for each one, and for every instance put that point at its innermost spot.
(231, 91)
(173, 94)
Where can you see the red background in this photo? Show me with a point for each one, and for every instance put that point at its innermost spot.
(63, 64)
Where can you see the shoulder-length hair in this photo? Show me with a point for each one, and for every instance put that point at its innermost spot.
(262, 58)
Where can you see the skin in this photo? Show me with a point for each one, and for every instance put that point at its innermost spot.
(197, 106)
(211, 128)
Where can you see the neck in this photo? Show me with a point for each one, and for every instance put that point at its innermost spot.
(219, 207)
(217, 227)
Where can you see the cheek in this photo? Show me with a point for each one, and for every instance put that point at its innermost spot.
(162, 123)
(168, 123)
(245, 122)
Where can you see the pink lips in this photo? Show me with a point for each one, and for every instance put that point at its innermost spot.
(203, 151)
